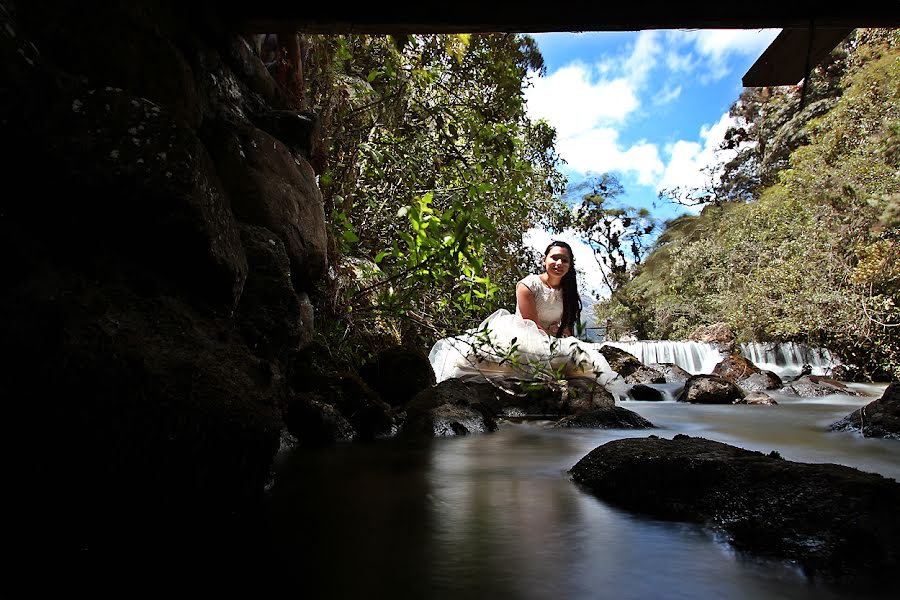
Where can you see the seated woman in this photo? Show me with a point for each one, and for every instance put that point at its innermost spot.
(534, 343)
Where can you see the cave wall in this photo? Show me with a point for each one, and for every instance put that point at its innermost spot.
(161, 232)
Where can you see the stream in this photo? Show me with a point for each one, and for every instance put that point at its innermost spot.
(496, 515)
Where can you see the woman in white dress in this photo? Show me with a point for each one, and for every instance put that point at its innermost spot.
(534, 343)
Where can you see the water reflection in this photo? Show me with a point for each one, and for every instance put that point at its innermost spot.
(497, 515)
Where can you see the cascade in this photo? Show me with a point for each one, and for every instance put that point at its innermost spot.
(693, 357)
(787, 359)
(784, 359)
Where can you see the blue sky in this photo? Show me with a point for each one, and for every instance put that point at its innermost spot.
(650, 107)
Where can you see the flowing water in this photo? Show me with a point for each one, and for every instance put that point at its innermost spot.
(497, 515)
(785, 360)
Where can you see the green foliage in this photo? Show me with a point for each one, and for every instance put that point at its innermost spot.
(433, 171)
(814, 257)
(617, 234)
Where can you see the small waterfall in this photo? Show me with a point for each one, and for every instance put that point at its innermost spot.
(787, 359)
(693, 357)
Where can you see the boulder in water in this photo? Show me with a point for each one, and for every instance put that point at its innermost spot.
(672, 372)
(879, 418)
(756, 398)
(614, 417)
(629, 367)
(709, 389)
(639, 391)
(834, 521)
(735, 367)
(764, 380)
(812, 386)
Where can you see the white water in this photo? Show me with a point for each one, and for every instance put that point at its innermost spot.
(693, 357)
(785, 360)
(788, 359)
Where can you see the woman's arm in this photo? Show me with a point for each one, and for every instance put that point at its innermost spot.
(526, 304)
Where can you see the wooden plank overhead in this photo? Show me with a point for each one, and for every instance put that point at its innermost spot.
(786, 60)
(798, 47)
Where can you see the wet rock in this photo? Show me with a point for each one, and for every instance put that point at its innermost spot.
(474, 404)
(756, 398)
(709, 389)
(846, 373)
(764, 380)
(672, 372)
(629, 367)
(453, 407)
(646, 393)
(614, 417)
(812, 386)
(879, 418)
(836, 522)
(735, 368)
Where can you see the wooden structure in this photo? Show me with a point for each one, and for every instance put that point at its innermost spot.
(810, 28)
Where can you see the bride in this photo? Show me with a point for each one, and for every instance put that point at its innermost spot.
(534, 343)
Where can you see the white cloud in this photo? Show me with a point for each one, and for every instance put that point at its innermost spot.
(584, 107)
(666, 96)
(687, 159)
(598, 150)
(572, 101)
(643, 57)
(707, 50)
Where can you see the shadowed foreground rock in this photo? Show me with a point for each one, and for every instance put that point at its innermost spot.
(836, 522)
(879, 418)
(460, 407)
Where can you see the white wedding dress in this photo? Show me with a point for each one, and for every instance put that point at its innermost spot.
(507, 346)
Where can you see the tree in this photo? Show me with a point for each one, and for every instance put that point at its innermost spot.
(617, 234)
(434, 172)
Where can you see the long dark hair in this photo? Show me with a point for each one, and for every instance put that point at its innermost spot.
(571, 298)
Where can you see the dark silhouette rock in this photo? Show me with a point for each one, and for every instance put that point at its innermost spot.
(453, 407)
(370, 417)
(615, 417)
(836, 522)
(646, 393)
(272, 188)
(398, 374)
(273, 312)
(315, 423)
(879, 418)
(474, 404)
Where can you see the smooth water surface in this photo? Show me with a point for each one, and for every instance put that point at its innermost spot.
(497, 516)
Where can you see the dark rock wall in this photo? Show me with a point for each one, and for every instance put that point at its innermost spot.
(157, 253)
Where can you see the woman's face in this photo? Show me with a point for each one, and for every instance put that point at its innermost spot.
(558, 261)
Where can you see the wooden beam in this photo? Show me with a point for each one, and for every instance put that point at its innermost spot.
(790, 54)
(537, 16)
